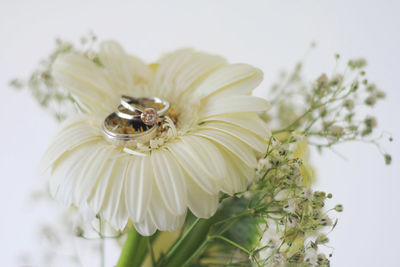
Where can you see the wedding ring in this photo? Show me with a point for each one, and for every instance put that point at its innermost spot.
(126, 114)
(131, 134)
(135, 120)
(138, 104)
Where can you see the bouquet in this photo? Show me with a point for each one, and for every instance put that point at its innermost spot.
(183, 166)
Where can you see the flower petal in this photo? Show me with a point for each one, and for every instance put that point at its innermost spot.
(138, 187)
(99, 191)
(140, 70)
(237, 147)
(73, 133)
(207, 155)
(163, 219)
(247, 120)
(197, 171)
(146, 227)
(247, 137)
(89, 177)
(182, 69)
(113, 208)
(201, 203)
(230, 80)
(85, 80)
(67, 171)
(170, 181)
(118, 65)
(233, 104)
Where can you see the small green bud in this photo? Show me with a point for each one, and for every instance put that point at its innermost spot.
(329, 195)
(371, 88)
(338, 208)
(353, 128)
(366, 131)
(349, 104)
(370, 101)
(79, 231)
(357, 63)
(322, 112)
(336, 130)
(388, 159)
(354, 86)
(380, 94)
(370, 122)
(322, 239)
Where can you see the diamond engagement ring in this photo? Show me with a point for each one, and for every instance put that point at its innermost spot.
(149, 108)
(135, 120)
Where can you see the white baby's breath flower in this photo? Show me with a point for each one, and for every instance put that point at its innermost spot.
(270, 240)
(211, 147)
(291, 206)
(262, 166)
(311, 256)
(307, 193)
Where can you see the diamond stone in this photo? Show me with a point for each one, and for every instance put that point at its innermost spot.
(149, 116)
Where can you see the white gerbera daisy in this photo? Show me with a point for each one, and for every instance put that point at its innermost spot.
(211, 146)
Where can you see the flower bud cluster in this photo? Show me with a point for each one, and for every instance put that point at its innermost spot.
(294, 220)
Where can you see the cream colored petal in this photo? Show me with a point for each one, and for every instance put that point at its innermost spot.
(100, 190)
(138, 187)
(233, 104)
(66, 172)
(85, 80)
(94, 168)
(168, 66)
(163, 219)
(183, 69)
(207, 155)
(238, 174)
(73, 133)
(118, 66)
(114, 209)
(146, 227)
(247, 137)
(170, 181)
(196, 70)
(247, 120)
(230, 80)
(141, 71)
(237, 147)
(189, 162)
(201, 203)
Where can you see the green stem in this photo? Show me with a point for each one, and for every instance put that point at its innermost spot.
(232, 243)
(189, 243)
(134, 250)
(177, 244)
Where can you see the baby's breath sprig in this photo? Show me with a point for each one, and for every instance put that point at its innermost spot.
(278, 221)
(41, 83)
(331, 110)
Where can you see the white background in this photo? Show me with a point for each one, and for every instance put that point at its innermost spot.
(272, 35)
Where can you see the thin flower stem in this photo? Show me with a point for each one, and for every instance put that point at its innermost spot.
(229, 226)
(134, 250)
(102, 245)
(181, 239)
(231, 242)
(189, 243)
(150, 247)
(195, 254)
